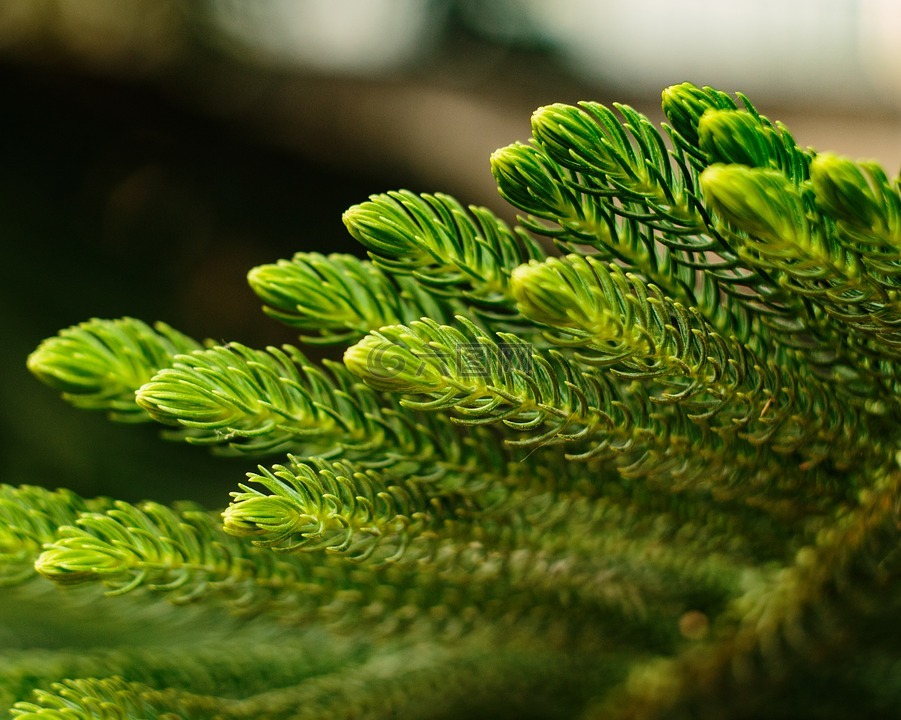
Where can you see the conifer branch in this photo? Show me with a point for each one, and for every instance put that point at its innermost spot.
(251, 402)
(451, 251)
(182, 555)
(535, 183)
(339, 298)
(29, 517)
(547, 395)
(640, 203)
(623, 160)
(397, 679)
(774, 232)
(210, 668)
(339, 508)
(99, 364)
(684, 105)
(866, 209)
(660, 472)
(256, 402)
(638, 333)
(709, 127)
(114, 698)
(596, 156)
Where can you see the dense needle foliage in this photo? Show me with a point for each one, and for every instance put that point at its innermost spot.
(636, 457)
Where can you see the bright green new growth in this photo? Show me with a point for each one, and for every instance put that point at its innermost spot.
(99, 364)
(634, 457)
(339, 298)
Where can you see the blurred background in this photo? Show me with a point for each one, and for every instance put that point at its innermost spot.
(153, 151)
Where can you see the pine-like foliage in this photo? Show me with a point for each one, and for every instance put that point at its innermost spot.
(636, 457)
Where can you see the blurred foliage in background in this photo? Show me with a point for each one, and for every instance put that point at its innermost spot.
(154, 150)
